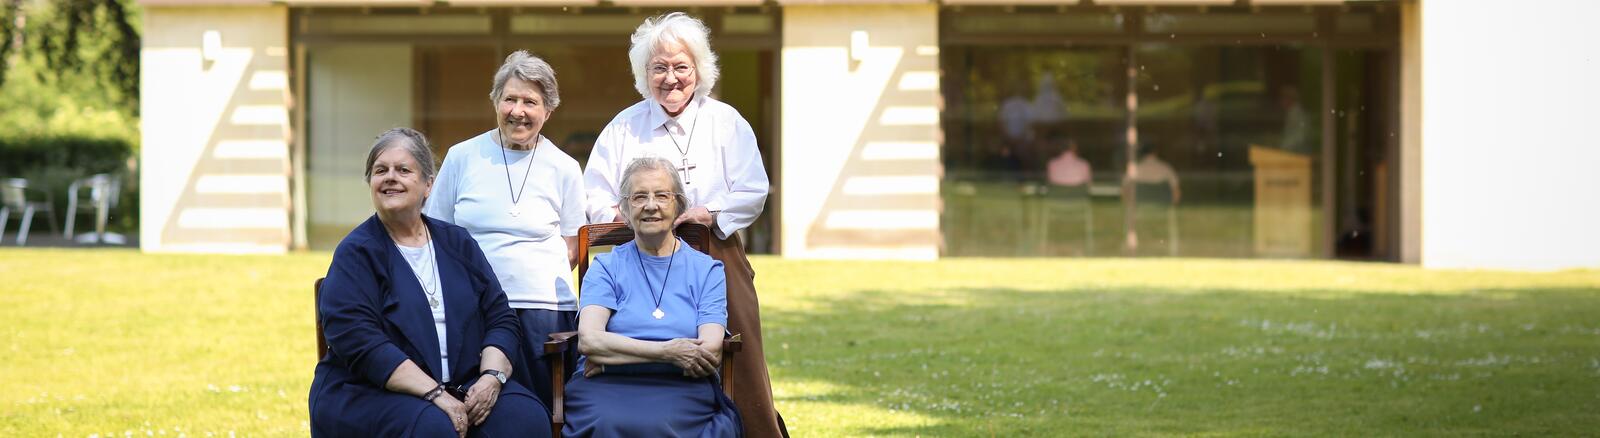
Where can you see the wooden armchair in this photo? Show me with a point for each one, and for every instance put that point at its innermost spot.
(565, 343)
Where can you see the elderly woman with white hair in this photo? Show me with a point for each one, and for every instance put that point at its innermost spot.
(713, 150)
(521, 197)
(652, 324)
(419, 334)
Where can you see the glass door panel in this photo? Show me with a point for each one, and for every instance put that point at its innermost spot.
(1233, 133)
(1010, 113)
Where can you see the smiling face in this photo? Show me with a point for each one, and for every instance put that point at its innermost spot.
(522, 111)
(672, 77)
(398, 185)
(655, 213)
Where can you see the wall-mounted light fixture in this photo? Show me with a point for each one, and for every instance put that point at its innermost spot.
(210, 45)
(858, 45)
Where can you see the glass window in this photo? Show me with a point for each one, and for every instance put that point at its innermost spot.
(1012, 112)
(1206, 117)
(1177, 136)
(356, 92)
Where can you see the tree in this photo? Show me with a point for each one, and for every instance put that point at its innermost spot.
(10, 38)
(96, 38)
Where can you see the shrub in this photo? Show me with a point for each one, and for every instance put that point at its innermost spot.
(90, 155)
(51, 164)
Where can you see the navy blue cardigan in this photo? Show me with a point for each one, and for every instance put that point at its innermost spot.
(375, 317)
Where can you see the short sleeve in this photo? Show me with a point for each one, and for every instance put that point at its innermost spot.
(600, 287)
(441, 203)
(712, 305)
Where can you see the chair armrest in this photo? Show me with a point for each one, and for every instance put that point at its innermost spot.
(559, 342)
(730, 345)
(559, 345)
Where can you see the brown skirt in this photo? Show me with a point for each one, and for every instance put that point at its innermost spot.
(752, 389)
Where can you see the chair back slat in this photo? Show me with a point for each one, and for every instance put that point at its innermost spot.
(12, 192)
(617, 233)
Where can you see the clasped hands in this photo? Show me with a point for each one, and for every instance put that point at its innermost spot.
(479, 402)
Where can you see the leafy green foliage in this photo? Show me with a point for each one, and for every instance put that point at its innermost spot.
(89, 155)
(69, 96)
(91, 41)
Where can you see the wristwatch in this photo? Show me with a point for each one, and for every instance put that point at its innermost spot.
(433, 393)
(497, 375)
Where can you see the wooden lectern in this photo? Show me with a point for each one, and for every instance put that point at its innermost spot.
(1283, 202)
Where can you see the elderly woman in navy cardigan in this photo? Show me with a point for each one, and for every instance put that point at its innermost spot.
(418, 329)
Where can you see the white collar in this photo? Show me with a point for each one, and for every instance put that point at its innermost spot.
(541, 141)
(659, 117)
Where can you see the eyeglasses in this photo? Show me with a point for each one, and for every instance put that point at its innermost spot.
(663, 198)
(681, 70)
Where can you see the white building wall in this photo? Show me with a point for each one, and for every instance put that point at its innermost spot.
(214, 162)
(860, 169)
(1510, 159)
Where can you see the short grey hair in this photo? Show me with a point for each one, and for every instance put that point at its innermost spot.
(527, 67)
(414, 144)
(647, 164)
(676, 27)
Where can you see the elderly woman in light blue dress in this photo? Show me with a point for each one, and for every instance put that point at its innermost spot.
(713, 150)
(651, 326)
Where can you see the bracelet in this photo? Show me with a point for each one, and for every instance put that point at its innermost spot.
(433, 394)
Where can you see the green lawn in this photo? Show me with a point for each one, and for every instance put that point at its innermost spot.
(112, 342)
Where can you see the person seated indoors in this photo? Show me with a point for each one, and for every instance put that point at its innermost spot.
(1151, 169)
(650, 325)
(1069, 169)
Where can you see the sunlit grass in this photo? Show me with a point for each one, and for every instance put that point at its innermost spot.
(113, 342)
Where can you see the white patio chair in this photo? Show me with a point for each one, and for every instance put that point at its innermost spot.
(14, 196)
(105, 191)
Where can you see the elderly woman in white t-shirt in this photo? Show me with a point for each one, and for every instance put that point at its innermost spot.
(521, 197)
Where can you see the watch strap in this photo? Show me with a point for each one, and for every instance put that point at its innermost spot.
(497, 374)
(434, 393)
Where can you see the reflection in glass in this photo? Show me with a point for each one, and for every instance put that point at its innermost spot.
(1030, 133)
(1226, 131)
(1036, 151)
(1202, 111)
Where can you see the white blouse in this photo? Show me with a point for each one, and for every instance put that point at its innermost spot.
(426, 267)
(713, 147)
